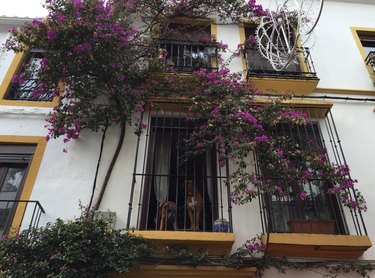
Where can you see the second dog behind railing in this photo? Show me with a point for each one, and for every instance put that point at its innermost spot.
(194, 203)
(168, 214)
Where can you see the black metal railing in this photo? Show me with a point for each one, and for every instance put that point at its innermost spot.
(26, 92)
(318, 211)
(370, 60)
(31, 212)
(258, 66)
(186, 55)
(173, 191)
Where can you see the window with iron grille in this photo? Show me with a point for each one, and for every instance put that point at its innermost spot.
(187, 47)
(179, 191)
(258, 65)
(317, 212)
(14, 162)
(26, 87)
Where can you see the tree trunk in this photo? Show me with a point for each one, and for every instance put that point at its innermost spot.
(110, 168)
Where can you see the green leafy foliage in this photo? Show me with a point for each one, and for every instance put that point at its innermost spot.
(78, 248)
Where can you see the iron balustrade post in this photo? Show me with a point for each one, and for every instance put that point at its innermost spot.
(13, 208)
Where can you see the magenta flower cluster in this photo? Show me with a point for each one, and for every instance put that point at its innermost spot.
(257, 9)
(253, 247)
(232, 121)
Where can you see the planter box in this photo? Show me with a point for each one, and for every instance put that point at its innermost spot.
(311, 226)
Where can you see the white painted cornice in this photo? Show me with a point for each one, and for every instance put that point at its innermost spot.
(8, 20)
(21, 111)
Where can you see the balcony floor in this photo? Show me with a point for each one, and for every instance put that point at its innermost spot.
(317, 245)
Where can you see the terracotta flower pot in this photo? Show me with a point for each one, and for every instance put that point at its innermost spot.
(311, 226)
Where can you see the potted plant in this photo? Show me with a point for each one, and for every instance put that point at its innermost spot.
(322, 224)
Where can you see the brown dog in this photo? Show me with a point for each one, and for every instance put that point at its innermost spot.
(194, 203)
(167, 214)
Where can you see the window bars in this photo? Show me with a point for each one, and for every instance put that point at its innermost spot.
(172, 190)
(187, 55)
(319, 212)
(27, 90)
(257, 65)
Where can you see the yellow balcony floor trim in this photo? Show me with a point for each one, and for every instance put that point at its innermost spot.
(317, 245)
(215, 243)
(187, 271)
(284, 85)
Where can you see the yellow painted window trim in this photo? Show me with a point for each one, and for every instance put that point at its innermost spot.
(356, 31)
(214, 35)
(32, 173)
(241, 27)
(191, 20)
(7, 82)
(316, 108)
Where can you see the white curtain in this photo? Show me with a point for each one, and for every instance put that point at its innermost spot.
(162, 155)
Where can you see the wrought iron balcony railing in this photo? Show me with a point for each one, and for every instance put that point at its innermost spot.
(186, 55)
(370, 60)
(258, 66)
(172, 192)
(30, 211)
(318, 211)
(25, 92)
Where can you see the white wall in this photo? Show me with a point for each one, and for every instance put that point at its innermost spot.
(338, 61)
(66, 178)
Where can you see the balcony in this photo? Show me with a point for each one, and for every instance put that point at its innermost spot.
(297, 78)
(317, 225)
(14, 213)
(179, 201)
(25, 92)
(184, 57)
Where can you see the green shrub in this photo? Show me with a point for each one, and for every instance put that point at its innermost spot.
(78, 248)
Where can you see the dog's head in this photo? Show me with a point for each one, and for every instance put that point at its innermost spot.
(171, 206)
(168, 205)
(190, 188)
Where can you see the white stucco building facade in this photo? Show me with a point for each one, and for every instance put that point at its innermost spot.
(60, 180)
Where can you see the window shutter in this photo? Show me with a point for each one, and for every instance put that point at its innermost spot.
(16, 153)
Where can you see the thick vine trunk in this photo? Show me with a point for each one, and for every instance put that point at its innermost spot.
(111, 166)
